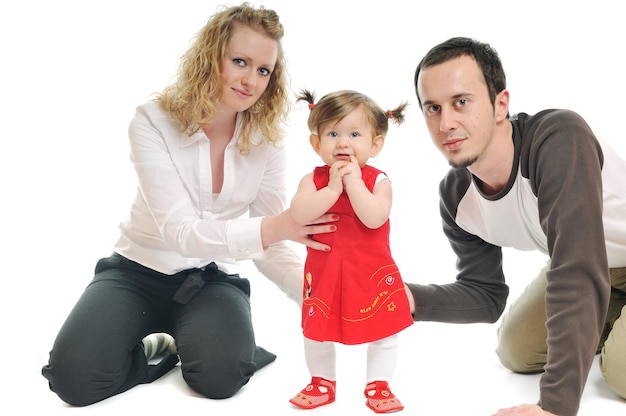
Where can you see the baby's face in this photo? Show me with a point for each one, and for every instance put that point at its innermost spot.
(351, 136)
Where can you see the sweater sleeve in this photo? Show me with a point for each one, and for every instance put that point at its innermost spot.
(479, 293)
(564, 166)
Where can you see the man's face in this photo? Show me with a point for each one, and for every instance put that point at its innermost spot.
(458, 112)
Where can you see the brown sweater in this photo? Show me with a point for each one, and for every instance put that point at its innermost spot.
(553, 203)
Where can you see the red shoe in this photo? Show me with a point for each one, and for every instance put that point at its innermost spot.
(318, 393)
(380, 399)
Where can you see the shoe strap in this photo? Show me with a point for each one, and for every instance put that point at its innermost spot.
(377, 386)
(320, 381)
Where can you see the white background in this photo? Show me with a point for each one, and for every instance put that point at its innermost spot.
(72, 73)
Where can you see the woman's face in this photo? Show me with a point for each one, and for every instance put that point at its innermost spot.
(246, 68)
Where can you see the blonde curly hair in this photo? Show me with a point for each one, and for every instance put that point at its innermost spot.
(192, 99)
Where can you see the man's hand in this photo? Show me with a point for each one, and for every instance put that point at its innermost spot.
(523, 410)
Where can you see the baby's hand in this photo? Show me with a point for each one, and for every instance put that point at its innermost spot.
(337, 171)
(354, 171)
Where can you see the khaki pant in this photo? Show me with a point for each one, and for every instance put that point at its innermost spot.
(522, 334)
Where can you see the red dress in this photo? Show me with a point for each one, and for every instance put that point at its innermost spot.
(354, 293)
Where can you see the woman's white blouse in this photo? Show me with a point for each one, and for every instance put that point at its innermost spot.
(177, 223)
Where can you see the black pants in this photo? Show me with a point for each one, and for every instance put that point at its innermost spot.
(98, 351)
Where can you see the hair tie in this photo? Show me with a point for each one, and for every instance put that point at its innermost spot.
(389, 113)
(311, 105)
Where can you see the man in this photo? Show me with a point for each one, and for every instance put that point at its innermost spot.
(541, 182)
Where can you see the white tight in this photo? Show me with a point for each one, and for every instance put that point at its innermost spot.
(382, 356)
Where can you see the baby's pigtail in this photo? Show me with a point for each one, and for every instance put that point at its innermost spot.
(397, 114)
(308, 96)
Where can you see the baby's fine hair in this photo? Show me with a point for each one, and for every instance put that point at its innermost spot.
(336, 105)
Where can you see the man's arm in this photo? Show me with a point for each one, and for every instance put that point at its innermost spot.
(479, 294)
(565, 168)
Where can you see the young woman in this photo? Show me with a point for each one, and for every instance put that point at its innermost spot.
(211, 192)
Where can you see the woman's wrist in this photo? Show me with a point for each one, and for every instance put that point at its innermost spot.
(272, 229)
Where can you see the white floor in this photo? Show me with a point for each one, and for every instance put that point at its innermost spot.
(74, 72)
(443, 370)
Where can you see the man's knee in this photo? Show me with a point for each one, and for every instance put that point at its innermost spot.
(520, 354)
(613, 368)
(613, 357)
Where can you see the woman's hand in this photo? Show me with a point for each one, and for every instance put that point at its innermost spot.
(283, 227)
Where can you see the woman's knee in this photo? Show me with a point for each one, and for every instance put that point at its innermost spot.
(69, 377)
(217, 368)
(218, 377)
(82, 375)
